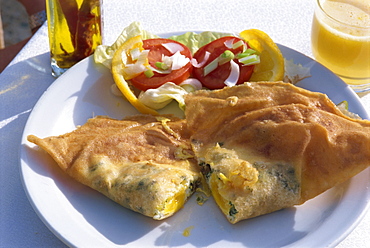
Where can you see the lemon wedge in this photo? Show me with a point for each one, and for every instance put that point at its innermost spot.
(118, 66)
(271, 67)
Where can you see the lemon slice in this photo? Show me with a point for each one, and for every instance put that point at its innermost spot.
(119, 77)
(271, 67)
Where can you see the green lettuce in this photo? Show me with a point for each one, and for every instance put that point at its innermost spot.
(104, 53)
(163, 95)
(194, 41)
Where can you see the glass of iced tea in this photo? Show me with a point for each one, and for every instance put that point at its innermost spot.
(341, 40)
(75, 30)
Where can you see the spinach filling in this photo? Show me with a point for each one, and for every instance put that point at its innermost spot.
(285, 174)
(206, 169)
(232, 210)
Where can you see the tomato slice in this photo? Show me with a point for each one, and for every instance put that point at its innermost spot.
(216, 78)
(156, 50)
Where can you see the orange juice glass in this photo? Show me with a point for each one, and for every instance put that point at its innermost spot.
(340, 40)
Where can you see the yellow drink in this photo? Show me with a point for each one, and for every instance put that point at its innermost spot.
(341, 39)
(74, 31)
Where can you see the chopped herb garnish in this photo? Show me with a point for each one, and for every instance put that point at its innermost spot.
(201, 199)
(95, 166)
(140, 185)
(225, 57)
(149, 73)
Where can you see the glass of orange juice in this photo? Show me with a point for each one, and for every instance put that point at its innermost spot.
(75, 30)
(340, 40)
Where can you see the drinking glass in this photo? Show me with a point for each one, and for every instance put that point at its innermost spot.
(75, 30)
(340, 40)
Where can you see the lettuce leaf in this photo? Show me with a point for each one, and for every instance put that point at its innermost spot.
(104, 53)
(158, 98)
(194, 41)
(163, 95)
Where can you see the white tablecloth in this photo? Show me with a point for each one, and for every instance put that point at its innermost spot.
(28, 76)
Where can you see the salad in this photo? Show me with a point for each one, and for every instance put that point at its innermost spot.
(151, 71)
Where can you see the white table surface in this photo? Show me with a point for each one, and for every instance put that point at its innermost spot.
(28, 76)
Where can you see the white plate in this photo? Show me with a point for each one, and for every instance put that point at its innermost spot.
(81, 217)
